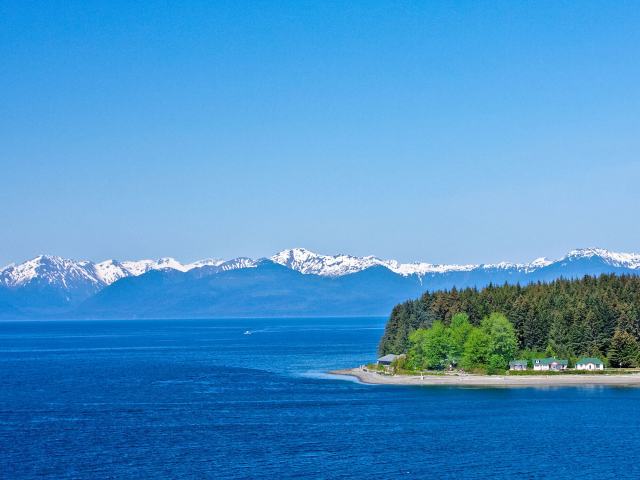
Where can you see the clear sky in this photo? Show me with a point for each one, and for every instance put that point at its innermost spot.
(437, 131)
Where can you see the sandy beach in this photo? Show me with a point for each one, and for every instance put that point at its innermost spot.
(469, 380)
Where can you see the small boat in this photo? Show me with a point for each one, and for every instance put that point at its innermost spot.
(247, 332)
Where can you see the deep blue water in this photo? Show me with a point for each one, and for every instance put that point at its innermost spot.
(171, 399)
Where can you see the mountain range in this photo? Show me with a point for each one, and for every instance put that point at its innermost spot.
(291, 282)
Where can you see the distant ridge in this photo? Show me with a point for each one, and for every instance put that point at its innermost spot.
(54, 286)
(57, 269)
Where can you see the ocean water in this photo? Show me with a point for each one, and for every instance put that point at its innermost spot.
(198, 399)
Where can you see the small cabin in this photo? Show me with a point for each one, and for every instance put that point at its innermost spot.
(589, 363)
(518, 365)
(388, 359)
(553, 364)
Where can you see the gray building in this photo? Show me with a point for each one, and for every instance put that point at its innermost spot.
(388, 359)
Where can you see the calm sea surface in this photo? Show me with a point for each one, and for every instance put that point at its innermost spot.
(171, 399)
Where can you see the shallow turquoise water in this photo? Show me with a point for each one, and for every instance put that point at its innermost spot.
(170, 399)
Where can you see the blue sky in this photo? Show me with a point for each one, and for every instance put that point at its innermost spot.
(440, 131)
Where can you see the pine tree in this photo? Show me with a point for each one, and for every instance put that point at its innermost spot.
(624, 350)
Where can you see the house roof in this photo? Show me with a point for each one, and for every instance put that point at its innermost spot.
(518, 362)
(593, 360)
(550, 360)
(390, 357)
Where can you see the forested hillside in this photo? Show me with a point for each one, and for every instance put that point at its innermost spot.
(565, 317)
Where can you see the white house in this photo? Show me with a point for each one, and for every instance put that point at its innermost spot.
(550, 364)
(518, 365)
(589, 363)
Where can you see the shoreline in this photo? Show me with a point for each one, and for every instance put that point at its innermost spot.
(470, 380)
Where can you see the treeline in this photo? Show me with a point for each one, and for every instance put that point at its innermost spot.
(568, 318)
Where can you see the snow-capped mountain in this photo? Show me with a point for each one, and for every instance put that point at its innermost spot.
(616, 259)
(51, 284)
(206, 262)
(110, 271)
(56, 270)
(307, 262)
(64, 272)
(237, 263)
(49, 269)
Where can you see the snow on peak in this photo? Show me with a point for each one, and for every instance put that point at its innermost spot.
(206, 262)
(170, 263)
(237, 263)
(422, 268)
(66, 273)
(110, 271)
(541, 262)
(525, 267)
(307, 262)
(56, 270)
(625, 260)
(48, 269)
(618, 259)
(139, 267)
(500, 265)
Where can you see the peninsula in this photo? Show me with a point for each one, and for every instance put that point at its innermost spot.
(567, 332)
(472, 380)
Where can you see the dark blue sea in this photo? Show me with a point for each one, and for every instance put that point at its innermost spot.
(198, 399)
